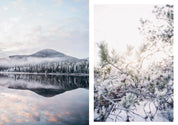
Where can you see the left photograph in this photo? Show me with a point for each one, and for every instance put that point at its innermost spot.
(44, 62)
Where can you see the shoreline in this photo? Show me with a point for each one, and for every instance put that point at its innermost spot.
(35, 73)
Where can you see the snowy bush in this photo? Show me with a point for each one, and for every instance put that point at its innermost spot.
(138, 85)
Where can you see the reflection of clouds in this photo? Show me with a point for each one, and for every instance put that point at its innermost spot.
(19, 121)
(4, 118)
(31, 108)
(59, 115)
(68, 113)
(52, 118)
(27, 114)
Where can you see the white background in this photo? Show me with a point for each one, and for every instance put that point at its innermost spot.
(92, 54)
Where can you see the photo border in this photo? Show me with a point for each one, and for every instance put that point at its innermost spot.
(91, 55)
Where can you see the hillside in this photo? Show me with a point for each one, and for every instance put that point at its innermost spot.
(44, 61)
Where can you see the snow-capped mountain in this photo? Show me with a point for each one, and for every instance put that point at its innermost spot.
(45, 53)
(43, 56)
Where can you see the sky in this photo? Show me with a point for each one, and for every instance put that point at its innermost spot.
(27, 26)
(118, 25)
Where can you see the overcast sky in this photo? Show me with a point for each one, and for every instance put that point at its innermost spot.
(27, 26)
(118, 25)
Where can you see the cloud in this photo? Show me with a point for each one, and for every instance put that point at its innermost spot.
(5, 8)
(63, 38)
(15, 19)
(16, 2)
(24, 30)
(41, 14)
(73, 9)
(59, 2)
(37, 29)
(81, 0)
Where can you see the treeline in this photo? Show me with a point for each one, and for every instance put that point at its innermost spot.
(81, 66)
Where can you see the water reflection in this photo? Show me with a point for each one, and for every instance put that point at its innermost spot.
(45, 85)
(27, 104)
(26, 107)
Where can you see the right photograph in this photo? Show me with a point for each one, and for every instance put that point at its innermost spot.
(133, 63)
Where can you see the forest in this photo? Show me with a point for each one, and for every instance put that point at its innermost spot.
(67, 66)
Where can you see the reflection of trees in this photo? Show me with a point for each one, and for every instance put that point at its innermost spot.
(59, 84)
(139, 84)
(65, 82)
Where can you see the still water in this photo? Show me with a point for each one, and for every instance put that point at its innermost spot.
(44, 100)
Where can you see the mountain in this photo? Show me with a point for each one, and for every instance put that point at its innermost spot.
(46, 53)
(44, 61)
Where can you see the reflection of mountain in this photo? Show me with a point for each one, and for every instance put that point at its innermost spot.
(45, 85)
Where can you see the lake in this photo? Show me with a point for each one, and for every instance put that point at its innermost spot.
(32, 99)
